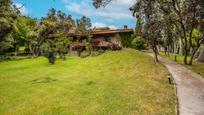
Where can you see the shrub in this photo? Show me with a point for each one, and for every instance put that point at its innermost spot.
(138, 43)
(126, 39)
(51, 56)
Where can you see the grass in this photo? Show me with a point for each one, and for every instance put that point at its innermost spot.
(197, 67)
(124, 82)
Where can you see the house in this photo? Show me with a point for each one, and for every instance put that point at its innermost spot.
(110, 37)
(104, 38)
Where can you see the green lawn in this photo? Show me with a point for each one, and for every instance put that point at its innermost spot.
(124, 82)
(197, 67)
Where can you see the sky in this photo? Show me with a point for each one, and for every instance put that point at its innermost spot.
(114, 15)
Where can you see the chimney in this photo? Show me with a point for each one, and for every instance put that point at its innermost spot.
(125, 27)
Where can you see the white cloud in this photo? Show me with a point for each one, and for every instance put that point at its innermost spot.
(100, 24)
(118, 9)
(22, 8)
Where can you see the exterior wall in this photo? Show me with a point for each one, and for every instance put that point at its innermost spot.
(116, 39)
(111, 38)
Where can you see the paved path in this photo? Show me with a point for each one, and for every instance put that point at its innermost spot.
(190, 88)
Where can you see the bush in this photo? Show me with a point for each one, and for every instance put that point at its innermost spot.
(126, 39)
(51, 56)
(116, 47)
(5, 58)
(138, 43)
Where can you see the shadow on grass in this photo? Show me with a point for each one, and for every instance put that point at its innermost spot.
(43, 80)
(90, 83)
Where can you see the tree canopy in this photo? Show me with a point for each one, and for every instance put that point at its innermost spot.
(45, 36)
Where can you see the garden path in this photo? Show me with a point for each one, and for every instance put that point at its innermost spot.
(190, 88)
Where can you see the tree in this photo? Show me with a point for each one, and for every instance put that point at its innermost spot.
(7, 25)
(138, 29)
(26, 32)
(152, 23)
(62, 45)
(187, 15)
(83, 25)
(46, 37)
(99, 3)
(51, 38)
(15, 29)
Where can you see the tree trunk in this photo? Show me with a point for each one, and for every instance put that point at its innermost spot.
(191, 61)
(36, 52)
(177, 49)
(31, 49)
(61, 55)
(194, 50)
(155, 52)
(168, 53)
(156, 57)
(4, 52)
(185, 59)
(185, 52)
(201, 56)
(16, 51)
(185, 56)
(181, 52)
(165, 50)
(175, 58)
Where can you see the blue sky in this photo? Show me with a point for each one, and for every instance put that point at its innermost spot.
(115, 15)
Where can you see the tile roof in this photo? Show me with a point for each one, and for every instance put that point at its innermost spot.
(95, 32)
(98, 31)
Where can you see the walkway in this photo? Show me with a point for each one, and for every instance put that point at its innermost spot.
(190, 88)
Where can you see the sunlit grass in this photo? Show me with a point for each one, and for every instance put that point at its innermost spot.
(124, 82)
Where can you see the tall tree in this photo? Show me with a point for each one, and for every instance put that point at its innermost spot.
(83, 25)
(26, 32)
(187, 16)
(52, 39)
(7, 24)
